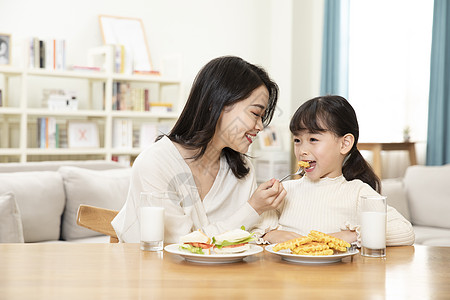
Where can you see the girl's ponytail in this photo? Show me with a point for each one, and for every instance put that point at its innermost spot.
(356, 167)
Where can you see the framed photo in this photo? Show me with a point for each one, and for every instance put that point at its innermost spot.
(82, 134)
(5, 49)
(129, 33)
(269, 138)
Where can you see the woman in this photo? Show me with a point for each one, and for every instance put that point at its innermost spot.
(202, 162)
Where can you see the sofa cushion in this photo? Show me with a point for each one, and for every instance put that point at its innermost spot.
(40, 198)
(10, 221)
(395, 192)
(428, 191)
(55, 165)
(432, 236)
(107, 189)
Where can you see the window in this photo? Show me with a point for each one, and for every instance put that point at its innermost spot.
(389, 67)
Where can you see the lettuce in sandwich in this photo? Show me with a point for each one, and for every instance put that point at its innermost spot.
(196, 242)
(233, 241)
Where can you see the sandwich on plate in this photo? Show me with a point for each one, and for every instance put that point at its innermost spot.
(233, 241)
(196, 242)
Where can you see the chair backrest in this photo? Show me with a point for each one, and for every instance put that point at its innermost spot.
(97, 219)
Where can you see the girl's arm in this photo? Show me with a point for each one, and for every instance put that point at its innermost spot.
(399, 231)
(279, 236)
(346, 235)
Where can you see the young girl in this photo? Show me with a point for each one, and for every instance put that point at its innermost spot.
(326, 199)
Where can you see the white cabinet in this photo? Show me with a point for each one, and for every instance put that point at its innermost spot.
(22, 105)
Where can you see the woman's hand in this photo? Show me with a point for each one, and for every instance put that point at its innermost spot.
(279, 236)
(269, 195)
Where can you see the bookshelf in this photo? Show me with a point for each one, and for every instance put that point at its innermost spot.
(23, 104)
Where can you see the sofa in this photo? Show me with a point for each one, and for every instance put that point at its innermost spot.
(39, 200)
(423, 197)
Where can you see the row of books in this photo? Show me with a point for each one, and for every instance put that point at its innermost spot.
(129, 98)
(126, 97)
(49, 134)
(47, 54)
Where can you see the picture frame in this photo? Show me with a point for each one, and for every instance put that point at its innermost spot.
(5, 49)
(130, 33)
(83, 134)
(269, 138)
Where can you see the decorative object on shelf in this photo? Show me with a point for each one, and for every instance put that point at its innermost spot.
(55, 99)
(101, 58)
(406, 134)
(269, 138)
(82, 134)
(129, 33)
(5, 49)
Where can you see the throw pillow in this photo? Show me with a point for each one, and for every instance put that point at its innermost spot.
(428, 191)
(395, 192)
(106, 189)
(40, 198)
(10, 221)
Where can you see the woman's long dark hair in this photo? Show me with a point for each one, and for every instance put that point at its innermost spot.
(222, 82)
(337, 116)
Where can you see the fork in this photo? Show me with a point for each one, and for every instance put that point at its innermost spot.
(301, 171)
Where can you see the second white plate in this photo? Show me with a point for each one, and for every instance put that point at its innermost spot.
(213, 258)
(310, 259)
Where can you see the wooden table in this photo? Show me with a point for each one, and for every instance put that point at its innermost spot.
(122, 271)
(376, 149)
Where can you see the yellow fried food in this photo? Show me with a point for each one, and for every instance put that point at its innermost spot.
(303, 164)
(310, 248)
(331, 241)
(317, 253)
(290, 244)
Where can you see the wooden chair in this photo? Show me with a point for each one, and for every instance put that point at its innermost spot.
(98, 219)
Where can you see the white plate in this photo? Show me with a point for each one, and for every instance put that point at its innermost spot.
(213, 258)
(310, 259)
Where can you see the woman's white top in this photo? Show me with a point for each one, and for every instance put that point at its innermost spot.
(161, 167)
(330, 205)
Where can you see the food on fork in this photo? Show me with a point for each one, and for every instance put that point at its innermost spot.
(196, 242)
(233, 241)
(303, 164)
(315, 243)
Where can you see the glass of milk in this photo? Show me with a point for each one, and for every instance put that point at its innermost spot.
(151, 218)
(373, 226)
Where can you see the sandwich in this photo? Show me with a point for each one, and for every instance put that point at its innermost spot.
(233, 241)
(196, 242)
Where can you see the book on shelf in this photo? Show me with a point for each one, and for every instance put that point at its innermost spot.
(160, 107)
(122, 134)
(125, 97)
(1, 98)
(48, 133)
(47, 53)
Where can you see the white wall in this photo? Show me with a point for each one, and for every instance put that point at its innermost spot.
(198, 30)
(284, 36)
